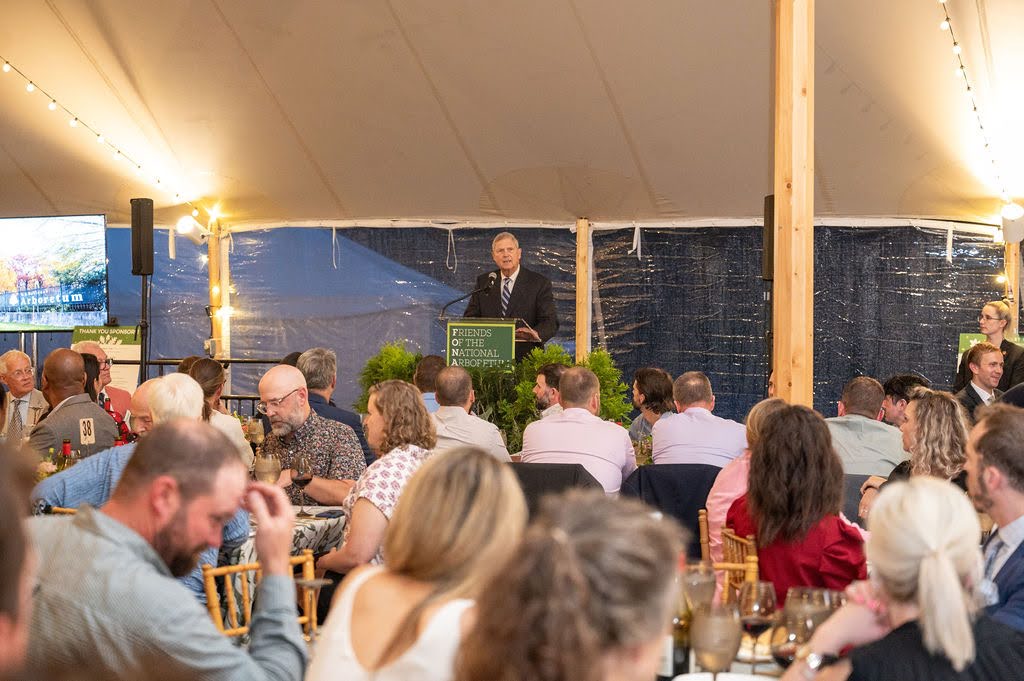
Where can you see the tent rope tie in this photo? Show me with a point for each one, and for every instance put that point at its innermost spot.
(637, 244)
(451, 252)
(334, 247)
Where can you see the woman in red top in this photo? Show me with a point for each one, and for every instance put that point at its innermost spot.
(792, 506)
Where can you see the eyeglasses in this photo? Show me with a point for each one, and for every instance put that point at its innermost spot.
(262, 406)
(986, 318)
(18, 373)
(108, 362)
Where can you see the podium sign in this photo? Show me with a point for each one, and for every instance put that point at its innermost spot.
(481, 342)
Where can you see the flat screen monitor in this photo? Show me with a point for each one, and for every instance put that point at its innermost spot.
(53, 272)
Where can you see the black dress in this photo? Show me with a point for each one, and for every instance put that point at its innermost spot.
(1013, 368)
(902, 473)
(902, 656)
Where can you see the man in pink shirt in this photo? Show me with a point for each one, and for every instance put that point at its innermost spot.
(578, 435)
(695, 435)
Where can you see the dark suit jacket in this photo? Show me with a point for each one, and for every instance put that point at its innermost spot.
(1013, 368)
(531, 301)
(1010, 580)
(971, 400)
(330, 411)
(67, 422)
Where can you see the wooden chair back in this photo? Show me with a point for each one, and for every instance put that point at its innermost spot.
(59, 510)
(739, 564)
(705, 537)
(239, 614)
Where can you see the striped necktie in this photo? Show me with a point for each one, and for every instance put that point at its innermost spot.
(506, 293)
(17, 424)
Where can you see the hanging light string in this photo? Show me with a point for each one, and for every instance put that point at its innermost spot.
(75, 122)
(1011, 211)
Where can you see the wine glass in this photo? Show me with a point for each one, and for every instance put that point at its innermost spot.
(254, 430)
(698, 584)
(303, 467)
(715, 637)
(266, 467)
(805, 610)
(757, 613)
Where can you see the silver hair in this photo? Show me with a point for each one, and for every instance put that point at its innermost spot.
(319, 366)
(502, 236)
(176, 396)
(8, 356)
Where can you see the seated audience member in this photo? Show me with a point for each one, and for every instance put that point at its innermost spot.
(119, 399)
(401, 433)
(297, 429)
(935, 433)
(71, 413)
(695, 435)
(995, 320)
(652, 395)
(425, 376)
(186, 364)
(545, 389)
(917, 618)
(106, 598)
(141, 420)
(731, 482)
(459, 520)
(985, 362)
(292, 359)
(792, 506)
(25, 405)
(588, 594)
(175, 397)
(92, 376)
(865, 445)
(898, 392)
(456, 426)
(579, 435)
(17, 560)
(995, 481)
(319, 366)
(209, 374)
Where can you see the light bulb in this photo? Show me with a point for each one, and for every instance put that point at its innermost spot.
(944, 25)
(961, 71)
(7, 67)
(31, 87)
(99, 139)
(195, 212)
(1012, 211)
(116, 155)
(956, 48)
(52, 106)
(73, 122)
(138, 170)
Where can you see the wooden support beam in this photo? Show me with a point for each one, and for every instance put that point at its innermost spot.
(793, 315)
(213, 265)
(1011, 268)
(583, 279)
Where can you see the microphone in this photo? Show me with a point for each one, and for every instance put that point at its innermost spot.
(491, 278)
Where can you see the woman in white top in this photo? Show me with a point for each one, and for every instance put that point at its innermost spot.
(209, 374)
(459, 518)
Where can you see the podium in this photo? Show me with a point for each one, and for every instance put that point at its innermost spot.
(480, 342)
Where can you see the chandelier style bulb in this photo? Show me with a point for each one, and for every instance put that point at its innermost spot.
(944, 25)
(99, 139)
(956, 48)
(31, 87)
(7, 67)
(73, 122)
(52, 106)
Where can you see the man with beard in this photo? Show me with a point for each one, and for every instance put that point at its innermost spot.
(92, 481)
(545, 389)
(106, 602)
(995, 482)
(296, 429)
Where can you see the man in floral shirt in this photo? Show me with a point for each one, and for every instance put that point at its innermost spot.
(295, 429)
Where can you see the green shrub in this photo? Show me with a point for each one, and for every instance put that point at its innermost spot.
(393, 360)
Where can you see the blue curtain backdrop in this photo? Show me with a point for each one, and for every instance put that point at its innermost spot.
(886, 300)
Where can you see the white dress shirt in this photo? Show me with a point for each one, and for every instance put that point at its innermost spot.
(985, 395)
(1012, 535)
(577, 436)
(697, 436)
(456, 428)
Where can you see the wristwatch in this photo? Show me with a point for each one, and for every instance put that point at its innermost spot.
(813, 662)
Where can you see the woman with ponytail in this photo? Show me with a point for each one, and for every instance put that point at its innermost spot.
(459, 519)
(918, 617)
(209, 374)
(588, 596)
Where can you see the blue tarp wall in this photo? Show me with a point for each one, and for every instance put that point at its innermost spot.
(886, 300)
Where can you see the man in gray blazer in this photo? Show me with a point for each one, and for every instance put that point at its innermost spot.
(73, 415)
(25, 404)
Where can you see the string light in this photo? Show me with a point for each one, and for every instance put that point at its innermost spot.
(75, 122)
(1010, 210)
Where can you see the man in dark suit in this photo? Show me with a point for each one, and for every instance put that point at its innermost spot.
(320, 368)
(514, 292)
(985, 362)
(995, 481)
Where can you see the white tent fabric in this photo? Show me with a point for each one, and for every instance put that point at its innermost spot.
(505, 110)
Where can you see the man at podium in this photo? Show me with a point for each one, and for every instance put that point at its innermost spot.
(514, 292)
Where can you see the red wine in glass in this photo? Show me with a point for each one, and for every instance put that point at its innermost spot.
(784, 654)
(755, 625)
(302, 481)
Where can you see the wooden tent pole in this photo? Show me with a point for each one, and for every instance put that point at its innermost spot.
(1011, 268)
(583, 279)
(213, 266)
(793, 315)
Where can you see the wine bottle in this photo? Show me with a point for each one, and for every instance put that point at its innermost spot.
(675, 656)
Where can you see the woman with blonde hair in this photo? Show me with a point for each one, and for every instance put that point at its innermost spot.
(731, 482)
(459, 519)
(587, 596)
(994, 320)
(935, 434)
(209, 374)
(401, 433)
(918, 617)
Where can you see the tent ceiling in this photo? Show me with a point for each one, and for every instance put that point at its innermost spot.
(500, 110)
